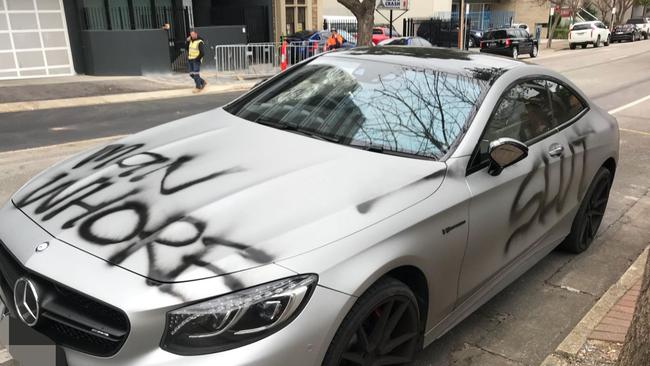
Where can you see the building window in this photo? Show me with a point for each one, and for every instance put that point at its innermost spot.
(296, 15)
(119, 14)
(128, 14)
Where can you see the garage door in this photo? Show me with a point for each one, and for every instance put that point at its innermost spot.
(33, 39)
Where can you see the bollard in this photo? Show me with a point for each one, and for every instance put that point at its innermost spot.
(283, 56)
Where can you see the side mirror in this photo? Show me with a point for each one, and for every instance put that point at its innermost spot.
(505, 152)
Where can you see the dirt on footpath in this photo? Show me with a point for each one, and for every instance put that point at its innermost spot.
(596, 353)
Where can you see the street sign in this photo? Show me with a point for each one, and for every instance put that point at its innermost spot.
(393, 4)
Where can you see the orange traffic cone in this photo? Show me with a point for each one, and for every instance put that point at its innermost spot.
(283, 56)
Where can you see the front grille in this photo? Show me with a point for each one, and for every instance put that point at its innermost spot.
(70, 318)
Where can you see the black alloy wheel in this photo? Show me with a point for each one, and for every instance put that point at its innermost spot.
(590, 215)
(383, 328)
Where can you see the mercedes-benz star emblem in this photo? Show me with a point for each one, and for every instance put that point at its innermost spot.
(42, 246)
(26, 301)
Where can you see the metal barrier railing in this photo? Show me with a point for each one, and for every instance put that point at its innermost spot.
(260, 59)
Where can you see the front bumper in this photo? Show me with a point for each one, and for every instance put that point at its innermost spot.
(302, 342)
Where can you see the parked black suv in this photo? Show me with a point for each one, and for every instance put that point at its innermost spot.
(510, 42)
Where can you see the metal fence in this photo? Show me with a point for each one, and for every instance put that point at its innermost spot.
(260, 59)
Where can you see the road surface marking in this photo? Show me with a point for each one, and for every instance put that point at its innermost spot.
(635, 131)
(621, 57)
(57, 129)
(629, 105)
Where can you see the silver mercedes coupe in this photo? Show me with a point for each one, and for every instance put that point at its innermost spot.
(348, 211)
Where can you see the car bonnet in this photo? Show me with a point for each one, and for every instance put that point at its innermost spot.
(213, 194)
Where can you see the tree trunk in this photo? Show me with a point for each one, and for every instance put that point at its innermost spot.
(636, 350)
(555, 21)
(364, 11)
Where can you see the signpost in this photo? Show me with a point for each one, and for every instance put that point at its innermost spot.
(550, 21)
(391, 5)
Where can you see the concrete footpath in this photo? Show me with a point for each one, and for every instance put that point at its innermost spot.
(598, 338)
(82, 90)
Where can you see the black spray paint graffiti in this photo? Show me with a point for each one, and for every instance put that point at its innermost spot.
(61, 193)
(540, 201)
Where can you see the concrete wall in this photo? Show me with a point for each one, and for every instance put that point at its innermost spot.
(130, 52)
(219, 35)
(526, 11)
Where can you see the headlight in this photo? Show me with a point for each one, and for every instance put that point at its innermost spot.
(238, 318)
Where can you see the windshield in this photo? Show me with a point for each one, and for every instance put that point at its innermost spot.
(373, 105)
(500, 34)
(396, 42)
(579, 27)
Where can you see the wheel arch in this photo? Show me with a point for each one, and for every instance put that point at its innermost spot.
(610, 164)
(414, 278)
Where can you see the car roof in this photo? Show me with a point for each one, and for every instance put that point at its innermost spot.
(438, 58)
(501, 28)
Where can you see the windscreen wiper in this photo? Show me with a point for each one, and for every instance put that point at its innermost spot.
(296, 129)
(383, 150)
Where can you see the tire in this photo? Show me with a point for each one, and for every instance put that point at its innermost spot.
(584, 45)
(645, 35)
(597, 43)
(572, 46)
(590, 214)
(608, 41)
(534, 51)
(515, 53)
(387, 296)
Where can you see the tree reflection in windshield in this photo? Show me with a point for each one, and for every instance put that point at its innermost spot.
(380, 106)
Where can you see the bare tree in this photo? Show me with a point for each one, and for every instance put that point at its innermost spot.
(636, 350)
(604, 7)
(622, 6)
(364, 11)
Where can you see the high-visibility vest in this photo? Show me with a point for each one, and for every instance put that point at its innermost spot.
(193, 51)
(332, 41)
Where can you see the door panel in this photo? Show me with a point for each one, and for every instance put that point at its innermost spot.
(517, 210)
(510, 213)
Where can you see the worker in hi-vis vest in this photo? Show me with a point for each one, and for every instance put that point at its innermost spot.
(195, 53)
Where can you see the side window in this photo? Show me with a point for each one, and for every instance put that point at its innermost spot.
(524, 114)
(564, 102)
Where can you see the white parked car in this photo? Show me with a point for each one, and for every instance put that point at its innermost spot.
(584, 33)
(523, 26)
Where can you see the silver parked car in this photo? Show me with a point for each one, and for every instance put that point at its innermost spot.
(348, 211)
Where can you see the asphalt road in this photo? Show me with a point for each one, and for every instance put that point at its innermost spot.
(527, 320)
(21, 130)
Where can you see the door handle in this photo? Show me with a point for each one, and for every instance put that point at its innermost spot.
(555, 150)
